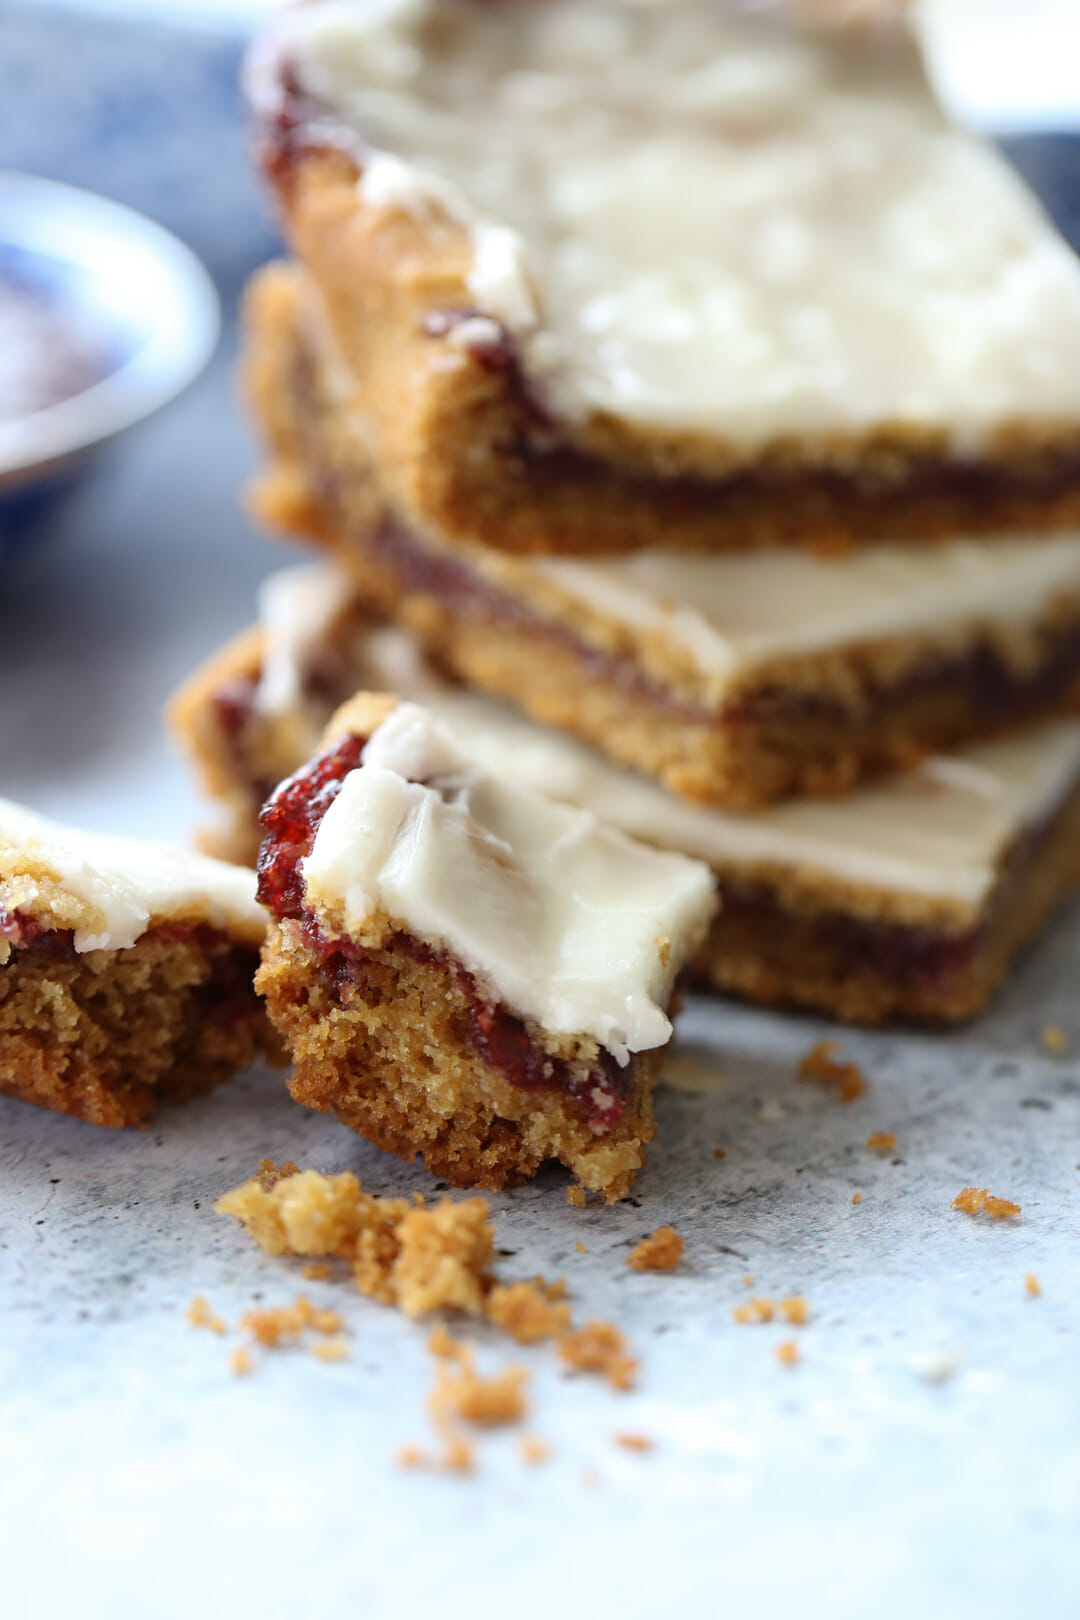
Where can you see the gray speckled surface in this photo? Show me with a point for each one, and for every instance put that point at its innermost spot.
(139, 1480)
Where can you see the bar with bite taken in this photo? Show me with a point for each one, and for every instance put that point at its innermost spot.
(462, 969)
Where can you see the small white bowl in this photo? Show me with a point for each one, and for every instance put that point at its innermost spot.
(132, 286)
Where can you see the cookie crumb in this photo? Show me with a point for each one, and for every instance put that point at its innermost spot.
(1032, 1285)
(719, 1153)
(1055, 1039)
(795, 1309)
(240, 1362)
(635, 1442)
(336, 1349)
(857, 1198)
(576, 1197)
(533, 1451)
(317, 1271)
(411, 1457)
(755, 1310)
(748, 1279)
(881, 1142)
(977, 1200)
(269, 1173)
(660, 1251)
(199, 1315)
(486, 1402)
(527, 1312)
(580, 1247)
(822, 1068)
(787, 1353)
(599, 1347)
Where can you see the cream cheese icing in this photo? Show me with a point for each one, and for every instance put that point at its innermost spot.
(566, 921)
(940, 831)
(125, 884)
(697, 219)
(296, 608)
(732, 614)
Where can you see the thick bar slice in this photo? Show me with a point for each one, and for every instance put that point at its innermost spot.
(910, 899)
(462, 969)
(734, 680)
(614, 274)
(126, 971)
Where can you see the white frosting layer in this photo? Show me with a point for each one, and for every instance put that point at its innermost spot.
(126, 884)
(564, 920)
(940, 831)
(296, 608)
(696, 219)
(728, 615)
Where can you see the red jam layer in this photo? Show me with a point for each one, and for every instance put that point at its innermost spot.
(600, 1093)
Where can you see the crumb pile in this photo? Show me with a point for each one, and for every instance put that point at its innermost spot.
(422, 1259)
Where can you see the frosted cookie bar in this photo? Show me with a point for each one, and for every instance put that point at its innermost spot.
(622, 273)
(126, 970)
(462, 969)
(908, 899)
(733, 679)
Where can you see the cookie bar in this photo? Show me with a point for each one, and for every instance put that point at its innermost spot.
(615, 275)
(734, 680)
(908, 899)
(462, 969)
(126, 971)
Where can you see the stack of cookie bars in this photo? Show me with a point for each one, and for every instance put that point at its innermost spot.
(690, 414)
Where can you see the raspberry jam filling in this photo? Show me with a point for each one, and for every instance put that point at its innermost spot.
(600, 1091)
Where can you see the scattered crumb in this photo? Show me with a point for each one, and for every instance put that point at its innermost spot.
(240, 1362)
(576, 1197)
(635, 1442)
(857, 1198)
(599, 1347)
(661, 1251)
(459, 1455)
(787, 1354)
(200, 1315)
(1032, 1285)
(748, 1279)
(1055, 1039)
(527, 1312)
(820, 1065)
(770, 1112)
(411, 1457)
(532, 1450)
(755, 1310)
(881, 1142)
(441, 1261)
(269, 1174)
(441, 1342)
(719, 1153)
(580, 1247)
(284, 1324)
(939, 1366)
(317, 1271)
(976, 1200)
(336, 1349)
(795, 1309)
(464, 1394)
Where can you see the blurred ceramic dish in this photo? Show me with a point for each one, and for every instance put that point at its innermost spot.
(139, 312)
